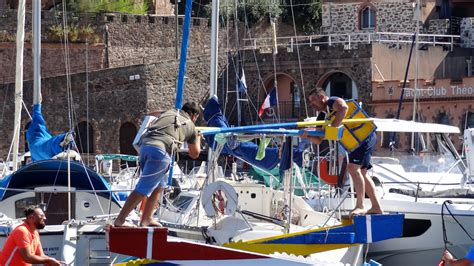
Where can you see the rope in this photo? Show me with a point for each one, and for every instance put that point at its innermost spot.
(299, 59)
(445, 235)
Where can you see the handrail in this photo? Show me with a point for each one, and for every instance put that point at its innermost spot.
(350, 38)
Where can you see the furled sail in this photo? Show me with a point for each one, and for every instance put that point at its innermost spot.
(43, 145)
(245, 150)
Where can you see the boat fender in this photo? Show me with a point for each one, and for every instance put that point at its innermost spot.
(230, 198)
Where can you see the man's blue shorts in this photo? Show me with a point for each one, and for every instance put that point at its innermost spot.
(154, 165)
(363, 154)
(470, 254)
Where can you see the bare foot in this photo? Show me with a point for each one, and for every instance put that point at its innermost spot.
(374, 211)
(151, 223)
(124, 224)
(357, 211)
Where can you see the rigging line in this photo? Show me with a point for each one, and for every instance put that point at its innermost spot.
(275, 87)
(26, 108)
(87, 94)
(251, 104)
(273, 20)
(247, 28)
(67, 64)
(299, 58)
(226, 87)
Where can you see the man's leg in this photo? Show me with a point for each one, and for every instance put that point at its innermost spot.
(150, 207)
(370, 190)
(130, 204)
(359, 186)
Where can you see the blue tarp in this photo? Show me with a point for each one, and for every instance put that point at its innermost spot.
(42, 144)
(54, 173)
(245, 150)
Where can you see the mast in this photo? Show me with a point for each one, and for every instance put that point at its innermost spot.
(415, 91)
(213, 74)
(20, 38)
(36, 52)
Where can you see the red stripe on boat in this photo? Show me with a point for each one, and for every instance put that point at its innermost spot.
(133, 242)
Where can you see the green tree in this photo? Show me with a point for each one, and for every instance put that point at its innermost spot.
(95, 6)
(307, 15)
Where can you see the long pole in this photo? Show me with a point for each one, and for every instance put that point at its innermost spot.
(182, 70)
(392, 134)
(213, 74)
(417, 29)
(20, 38)
(182, 58)
(176, 28)
(36, 51)
(214, 46)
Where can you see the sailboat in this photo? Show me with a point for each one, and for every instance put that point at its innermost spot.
(255, 230)
(76, 200)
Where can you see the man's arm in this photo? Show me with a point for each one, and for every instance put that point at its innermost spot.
(448, 257)
(312, 139)
(340, 107)
(29, 257)
(194, 149)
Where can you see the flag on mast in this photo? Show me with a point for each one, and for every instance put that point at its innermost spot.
(270, 100)
(242, 83)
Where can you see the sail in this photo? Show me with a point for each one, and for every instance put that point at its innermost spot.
(245, 150)
(43, 145)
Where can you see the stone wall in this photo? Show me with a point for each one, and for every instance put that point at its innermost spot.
(438, 26)
(391, 16)
(122, 40)
(467, 32)
(114, 99)
(52, 60)
(316, 68)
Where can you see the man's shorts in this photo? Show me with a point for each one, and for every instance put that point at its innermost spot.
(154, 165)
(363, 154)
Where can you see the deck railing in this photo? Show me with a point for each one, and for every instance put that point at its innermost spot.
(350, 40)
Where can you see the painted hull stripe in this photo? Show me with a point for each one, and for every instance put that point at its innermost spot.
(368, 223)
(149, 245)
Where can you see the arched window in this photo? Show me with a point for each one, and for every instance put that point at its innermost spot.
(367, 18)
(128, 131)
(84, 137)
(442, 118)
(295, 99)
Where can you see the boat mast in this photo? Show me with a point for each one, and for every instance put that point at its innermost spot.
(20, 38)
(36, 52)
(213, 74)
(415, 91)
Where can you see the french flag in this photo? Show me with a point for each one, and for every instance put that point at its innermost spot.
(270, 100)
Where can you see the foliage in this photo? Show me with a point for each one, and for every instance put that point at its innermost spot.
(95, 6)
(74, 32)
(252, 11)
(6, 36)
(307, 15)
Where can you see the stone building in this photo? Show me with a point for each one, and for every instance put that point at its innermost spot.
(128, 72)
(130, 69)
(363, 52)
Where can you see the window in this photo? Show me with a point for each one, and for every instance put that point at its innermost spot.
(367, 16)
(442, 118)
(296, 100)
(467, 120)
